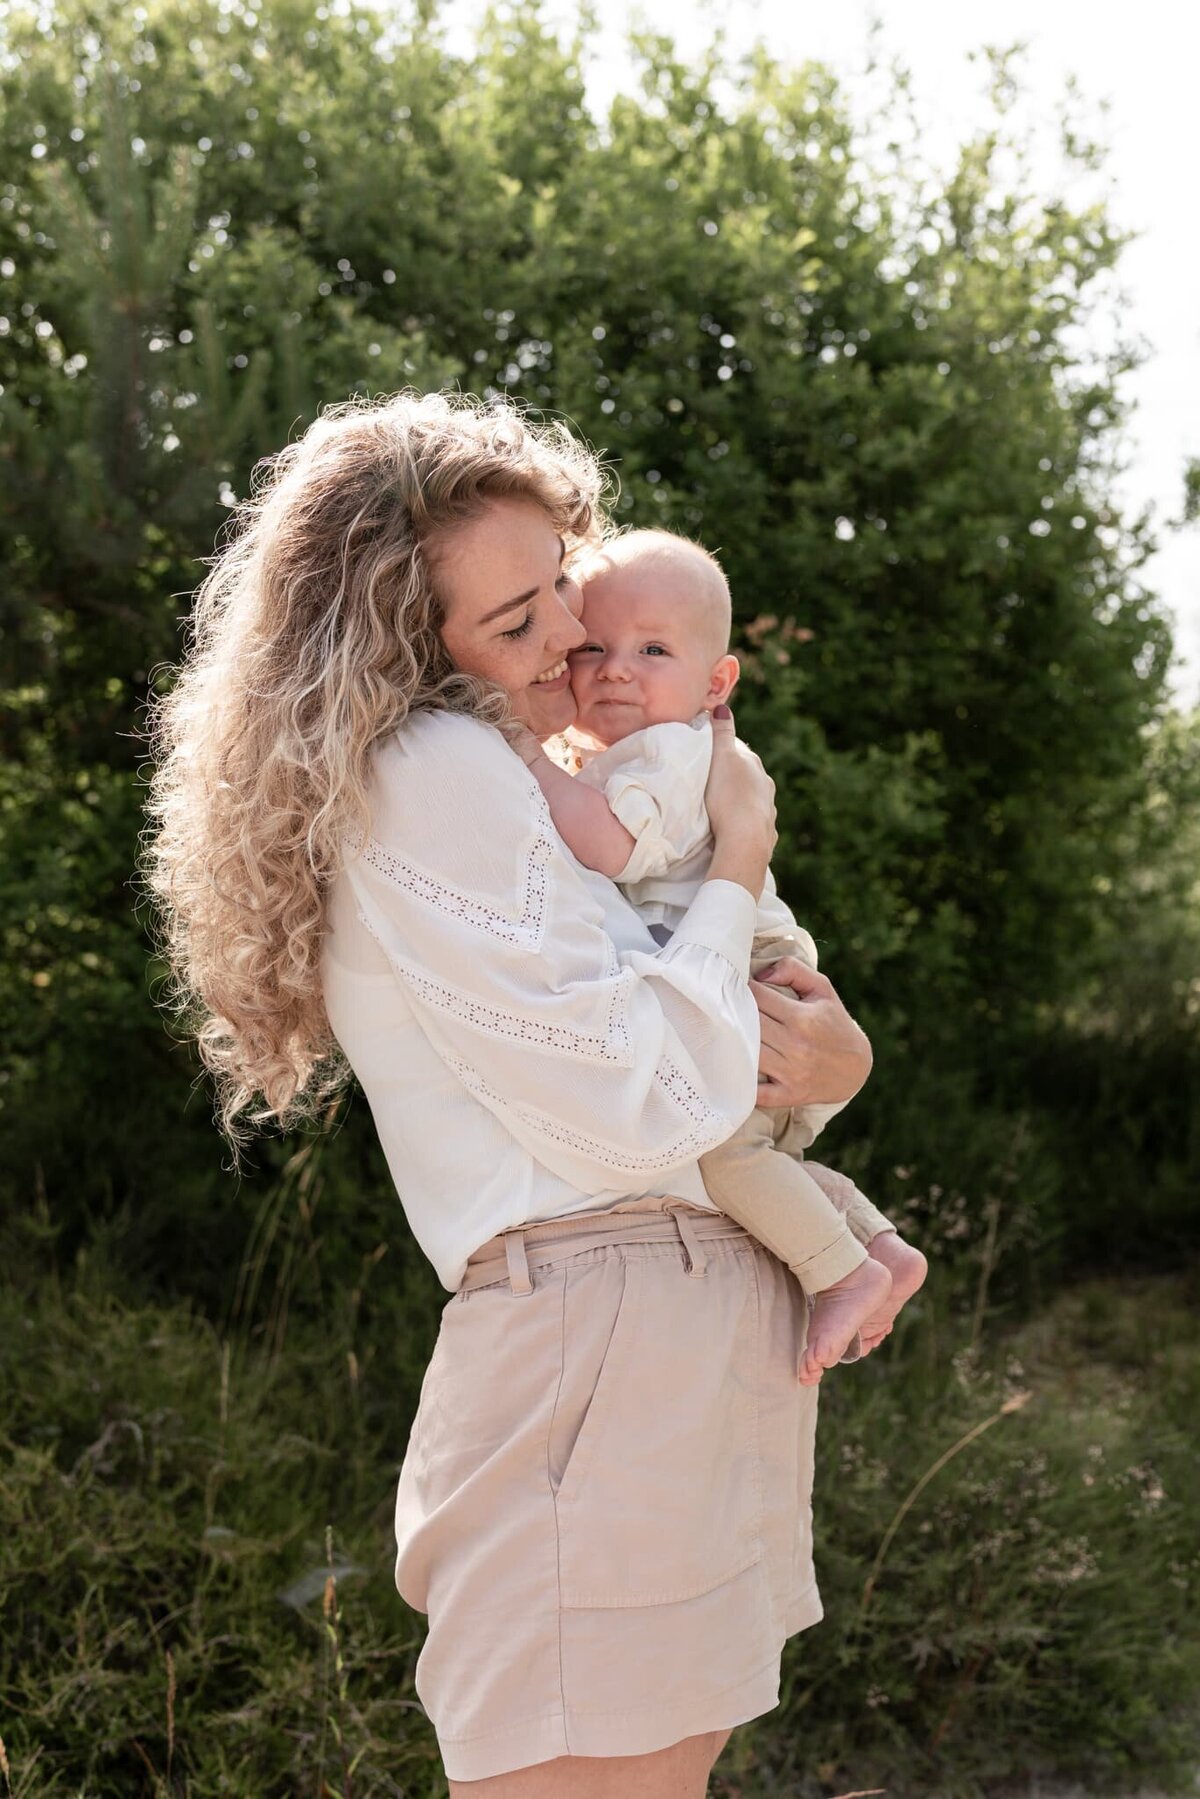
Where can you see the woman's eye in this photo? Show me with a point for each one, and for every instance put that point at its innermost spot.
(519, 630)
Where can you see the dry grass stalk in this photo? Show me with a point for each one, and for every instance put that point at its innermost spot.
(1013, 1404)
(170, 1711)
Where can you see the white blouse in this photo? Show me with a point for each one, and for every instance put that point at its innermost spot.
(525, 1047)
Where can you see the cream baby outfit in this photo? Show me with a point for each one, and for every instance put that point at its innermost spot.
(654, 781)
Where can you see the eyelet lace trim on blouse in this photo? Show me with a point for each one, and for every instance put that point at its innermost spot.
(523, 932)
(614, 1045)
(706, 1130)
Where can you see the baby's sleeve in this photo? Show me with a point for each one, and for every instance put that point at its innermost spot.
(654, 783)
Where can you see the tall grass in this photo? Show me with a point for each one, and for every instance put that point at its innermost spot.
(195, 1538)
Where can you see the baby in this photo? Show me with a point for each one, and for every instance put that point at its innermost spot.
(656, 662)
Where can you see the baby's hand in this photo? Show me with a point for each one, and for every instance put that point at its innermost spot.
(527, 746)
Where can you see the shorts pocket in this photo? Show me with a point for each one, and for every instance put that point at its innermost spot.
(653, 1452)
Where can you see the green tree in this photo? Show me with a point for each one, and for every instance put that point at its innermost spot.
(857, 383)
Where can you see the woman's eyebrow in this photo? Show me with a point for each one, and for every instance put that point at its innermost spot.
(522, 599)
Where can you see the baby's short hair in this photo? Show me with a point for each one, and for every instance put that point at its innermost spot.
(628, 547)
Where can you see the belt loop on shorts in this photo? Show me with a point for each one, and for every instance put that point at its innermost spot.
(518, 1262)
(696, 1261)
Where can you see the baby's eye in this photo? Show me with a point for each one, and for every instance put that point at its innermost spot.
(519, 630)
(655, 649)
(585, 649)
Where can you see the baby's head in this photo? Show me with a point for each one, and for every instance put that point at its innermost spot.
(657, 616)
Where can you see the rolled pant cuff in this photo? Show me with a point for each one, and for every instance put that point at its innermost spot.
(866, 1220)
(830, 1264)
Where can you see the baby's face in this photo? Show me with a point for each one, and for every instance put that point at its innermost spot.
(650, 656)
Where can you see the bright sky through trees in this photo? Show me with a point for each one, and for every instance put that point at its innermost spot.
(1143, 65)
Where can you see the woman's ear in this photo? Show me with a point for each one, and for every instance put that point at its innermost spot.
(722, 681)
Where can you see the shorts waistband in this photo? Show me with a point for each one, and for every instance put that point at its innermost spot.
(540, 1245)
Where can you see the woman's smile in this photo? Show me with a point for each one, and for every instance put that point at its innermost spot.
(554, 678)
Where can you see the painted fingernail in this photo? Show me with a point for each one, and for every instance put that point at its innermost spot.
(722, 712)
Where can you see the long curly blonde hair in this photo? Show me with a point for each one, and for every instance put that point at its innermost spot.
(315, 633)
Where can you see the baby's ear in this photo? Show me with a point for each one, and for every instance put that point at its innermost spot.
(722, 681)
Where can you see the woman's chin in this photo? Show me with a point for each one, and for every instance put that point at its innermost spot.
(547, 713)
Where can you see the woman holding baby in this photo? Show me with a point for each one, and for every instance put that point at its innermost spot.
(365, 862)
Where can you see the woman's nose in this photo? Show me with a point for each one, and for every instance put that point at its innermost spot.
(568, 625)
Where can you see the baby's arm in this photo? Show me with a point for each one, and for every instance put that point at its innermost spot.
(581, 814)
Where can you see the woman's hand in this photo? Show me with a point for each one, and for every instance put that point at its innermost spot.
(740, 797)
(813, 1053)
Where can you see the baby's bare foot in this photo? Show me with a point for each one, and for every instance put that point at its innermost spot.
(839, 1312)
(908, 1268)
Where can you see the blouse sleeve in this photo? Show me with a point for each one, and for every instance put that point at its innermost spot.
(654, 783)
(606, 1067)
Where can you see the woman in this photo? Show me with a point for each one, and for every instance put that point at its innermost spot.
(604, 1505)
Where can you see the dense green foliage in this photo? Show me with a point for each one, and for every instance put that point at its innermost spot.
(859, 387)
(862, 386)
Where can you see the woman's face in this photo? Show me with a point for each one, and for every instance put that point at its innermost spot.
(511, 614)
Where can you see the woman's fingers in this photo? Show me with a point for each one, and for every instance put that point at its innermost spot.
(773, 1027)
(786, 1073)
(813, 1053)
(779, 1059)
(779, 1001)
(792, 1035)
(739, 794)
(796, 976)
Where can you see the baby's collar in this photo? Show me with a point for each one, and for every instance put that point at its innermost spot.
(573, 750)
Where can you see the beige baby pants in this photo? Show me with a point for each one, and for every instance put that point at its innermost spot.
(811, 1217)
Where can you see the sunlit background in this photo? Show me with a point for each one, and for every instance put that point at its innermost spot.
(1136, 72)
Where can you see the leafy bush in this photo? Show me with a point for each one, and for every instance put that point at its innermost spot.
(855, 380)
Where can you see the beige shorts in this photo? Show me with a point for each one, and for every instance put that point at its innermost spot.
(605, 1505)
